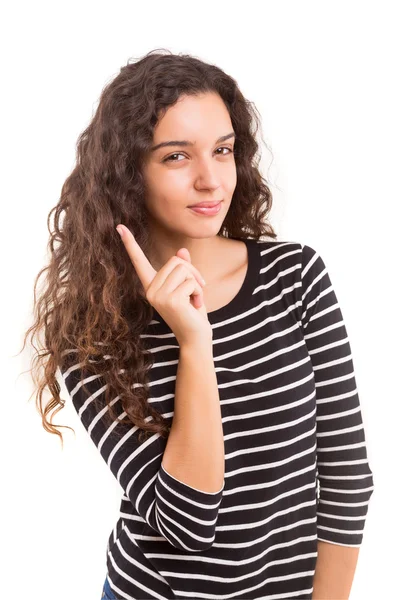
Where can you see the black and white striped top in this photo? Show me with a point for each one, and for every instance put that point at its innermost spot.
(296, 466)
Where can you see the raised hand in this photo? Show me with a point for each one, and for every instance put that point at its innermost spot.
(175, 290)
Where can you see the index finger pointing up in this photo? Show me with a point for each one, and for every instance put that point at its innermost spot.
(138, 258)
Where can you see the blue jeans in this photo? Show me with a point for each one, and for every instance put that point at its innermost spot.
(107, 593)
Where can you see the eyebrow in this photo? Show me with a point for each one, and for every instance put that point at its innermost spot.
(187, 143)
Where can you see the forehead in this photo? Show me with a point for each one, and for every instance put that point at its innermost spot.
(202, 118)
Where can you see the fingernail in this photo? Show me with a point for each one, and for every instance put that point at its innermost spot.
(120, 231)
(203, 281)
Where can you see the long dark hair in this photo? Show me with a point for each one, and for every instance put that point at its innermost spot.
(93, 301)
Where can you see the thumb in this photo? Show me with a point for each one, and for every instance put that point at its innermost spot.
(195, 300)
(184, 253)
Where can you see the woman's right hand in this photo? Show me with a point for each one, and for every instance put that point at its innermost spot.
(175, 291)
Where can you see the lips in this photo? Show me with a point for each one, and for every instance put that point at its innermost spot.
(205, 204)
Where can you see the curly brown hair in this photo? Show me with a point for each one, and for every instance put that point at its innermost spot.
(93, 306)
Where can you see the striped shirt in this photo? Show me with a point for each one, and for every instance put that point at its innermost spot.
(296, 466)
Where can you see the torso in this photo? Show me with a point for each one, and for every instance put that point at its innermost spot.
(219, 293)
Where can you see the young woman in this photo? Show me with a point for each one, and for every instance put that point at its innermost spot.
(227, 409)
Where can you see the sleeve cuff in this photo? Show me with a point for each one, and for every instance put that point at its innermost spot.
(188, 491)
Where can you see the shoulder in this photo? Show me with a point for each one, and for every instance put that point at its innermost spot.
(288, 247)
(282, 248)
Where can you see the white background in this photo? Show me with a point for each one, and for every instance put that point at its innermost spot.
(324, 77)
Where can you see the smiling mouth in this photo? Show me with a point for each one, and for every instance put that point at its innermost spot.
(205, 204)
(208, 210)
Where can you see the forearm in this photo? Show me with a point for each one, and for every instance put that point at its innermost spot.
(195, 452)
(334, 571)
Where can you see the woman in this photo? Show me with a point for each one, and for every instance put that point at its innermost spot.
(227, 409)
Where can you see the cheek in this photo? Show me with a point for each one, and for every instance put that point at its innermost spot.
(168, 202)
(167, 190)
(171, 181)
(172, 190)
(232, 179)
(176, 180)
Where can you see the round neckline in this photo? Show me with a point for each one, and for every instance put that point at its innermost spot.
(247, 287)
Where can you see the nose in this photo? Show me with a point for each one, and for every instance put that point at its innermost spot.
(207, 174)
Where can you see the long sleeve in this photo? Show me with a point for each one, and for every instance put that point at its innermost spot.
(185, 516)
(344, 476)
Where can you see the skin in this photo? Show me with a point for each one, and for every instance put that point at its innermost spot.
(334, 572)
(143, 267)
(204, 171)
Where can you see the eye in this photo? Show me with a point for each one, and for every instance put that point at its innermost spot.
(169, 158)
(225, 148)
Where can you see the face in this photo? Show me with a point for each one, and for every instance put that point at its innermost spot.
(202, 169)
